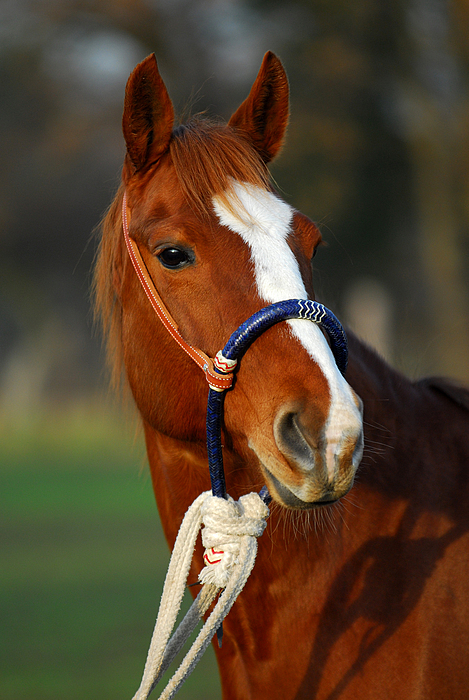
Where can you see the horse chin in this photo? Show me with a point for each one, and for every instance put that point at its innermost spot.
(286, 498)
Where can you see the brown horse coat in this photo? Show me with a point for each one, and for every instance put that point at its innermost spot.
(364, 599)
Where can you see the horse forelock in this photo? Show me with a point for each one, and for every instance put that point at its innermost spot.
(208, 156)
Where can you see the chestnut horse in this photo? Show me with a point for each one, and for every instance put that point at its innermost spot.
(367, 598)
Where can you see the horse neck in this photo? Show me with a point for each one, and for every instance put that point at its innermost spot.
(383, 390)
(395, 414)
(415, 435)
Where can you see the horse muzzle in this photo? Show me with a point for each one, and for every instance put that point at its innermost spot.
(316, 477)
(311, 467)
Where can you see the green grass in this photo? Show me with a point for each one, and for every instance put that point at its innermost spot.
(82, 562)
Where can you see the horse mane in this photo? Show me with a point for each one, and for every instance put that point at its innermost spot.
(457, 393)
(106, 277)
(207, 156)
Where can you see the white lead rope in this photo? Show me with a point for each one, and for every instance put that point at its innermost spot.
(229, 536)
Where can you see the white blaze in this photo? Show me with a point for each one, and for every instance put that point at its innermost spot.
(264, 221)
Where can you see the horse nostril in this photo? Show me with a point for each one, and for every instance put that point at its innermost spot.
(293, 440)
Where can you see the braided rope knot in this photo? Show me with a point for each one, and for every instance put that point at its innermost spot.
(226, 524)
(224, 364)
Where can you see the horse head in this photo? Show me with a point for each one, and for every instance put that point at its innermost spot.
(219, 245)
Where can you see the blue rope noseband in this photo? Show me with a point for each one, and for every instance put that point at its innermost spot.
(234, 349)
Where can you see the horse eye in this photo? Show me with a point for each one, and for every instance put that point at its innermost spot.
(174, 258)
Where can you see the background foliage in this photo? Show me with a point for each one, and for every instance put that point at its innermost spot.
(377, 154)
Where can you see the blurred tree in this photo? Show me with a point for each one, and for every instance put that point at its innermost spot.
(434, 116)
(377, 153)
(62, 73)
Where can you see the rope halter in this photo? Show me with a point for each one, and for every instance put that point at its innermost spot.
(230, 529)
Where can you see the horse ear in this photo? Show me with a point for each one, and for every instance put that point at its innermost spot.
(148, 117)
(264, 113)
